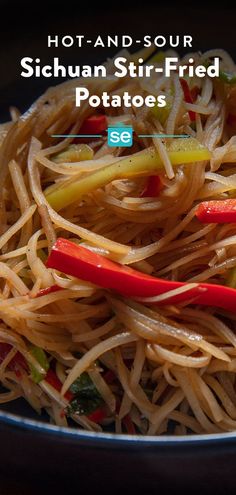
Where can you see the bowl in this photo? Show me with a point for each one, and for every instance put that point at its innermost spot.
(193, 463)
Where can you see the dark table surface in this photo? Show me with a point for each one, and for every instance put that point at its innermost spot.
(24, 33)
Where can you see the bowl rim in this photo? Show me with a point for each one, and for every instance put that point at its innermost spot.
(103, 438)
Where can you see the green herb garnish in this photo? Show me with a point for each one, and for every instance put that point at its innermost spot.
(87, 398)
(42, 359)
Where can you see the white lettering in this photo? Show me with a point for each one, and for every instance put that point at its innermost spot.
(160, 41)
(147, 41)
(114, 137)
(126, 41)
(67, 41)
(52, 41)
(81, 94)
(214, 69)
(99, 42)
(25, 63)
(161, 101)
(125, 137)
(119, 64)
(170, 65)
(187, 41)
(80, 38)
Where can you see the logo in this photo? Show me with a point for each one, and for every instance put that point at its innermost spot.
(120, 135)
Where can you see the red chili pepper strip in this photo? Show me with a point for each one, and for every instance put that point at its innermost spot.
(153, 187)
(98, 415)
(80, 262)
(109, 377)
(4, 350)
(231, 120)
(126, 420)
(96, 124)
(54, 381)
(222, 211)
(17, 362)
(129, 425)
(48, 290)
(195, 91)
(188, 98)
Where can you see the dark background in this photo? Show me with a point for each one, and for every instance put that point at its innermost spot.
(25, 25)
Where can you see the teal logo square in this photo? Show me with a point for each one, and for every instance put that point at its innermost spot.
(120, 135)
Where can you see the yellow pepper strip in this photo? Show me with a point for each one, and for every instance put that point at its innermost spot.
(157, 58)
(162, 113)
(42, 255)
(144, 53)
(144, 163)
(231, 279)
(74, 153)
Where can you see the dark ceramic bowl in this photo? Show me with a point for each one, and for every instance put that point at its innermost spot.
(105, 462)
(203, 464)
